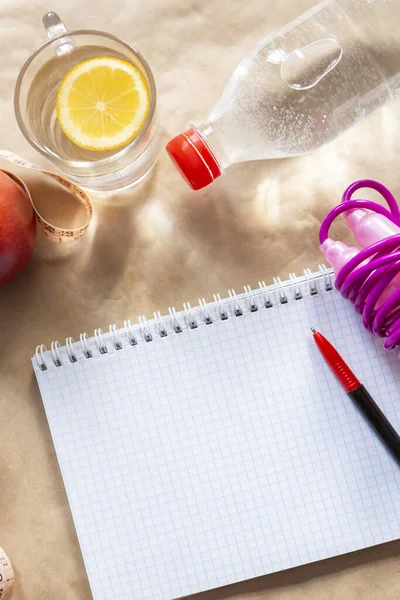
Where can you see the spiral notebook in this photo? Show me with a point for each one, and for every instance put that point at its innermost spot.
(212, 445)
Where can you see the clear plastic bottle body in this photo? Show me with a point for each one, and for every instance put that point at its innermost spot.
(308, 82)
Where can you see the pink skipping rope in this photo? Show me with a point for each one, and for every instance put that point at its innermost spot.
(363, 279)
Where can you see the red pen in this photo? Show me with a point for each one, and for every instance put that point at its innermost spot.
(360, 396)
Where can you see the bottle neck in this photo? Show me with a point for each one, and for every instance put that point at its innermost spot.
(207, 132)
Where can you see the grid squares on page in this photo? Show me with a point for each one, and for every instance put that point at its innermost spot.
(223, 453)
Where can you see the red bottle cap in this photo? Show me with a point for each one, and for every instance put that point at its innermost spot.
(193, 159)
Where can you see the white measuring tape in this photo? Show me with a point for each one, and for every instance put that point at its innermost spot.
(54, 233)
(6, 574)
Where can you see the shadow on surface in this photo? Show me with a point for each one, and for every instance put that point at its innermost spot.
(261, 587)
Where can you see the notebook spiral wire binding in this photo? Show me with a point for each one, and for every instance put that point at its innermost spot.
(253, 300)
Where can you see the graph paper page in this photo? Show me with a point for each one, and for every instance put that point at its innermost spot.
(225, 452)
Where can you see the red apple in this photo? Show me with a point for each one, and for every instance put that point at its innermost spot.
(17, 228)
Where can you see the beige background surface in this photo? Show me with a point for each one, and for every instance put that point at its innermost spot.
(161, 245)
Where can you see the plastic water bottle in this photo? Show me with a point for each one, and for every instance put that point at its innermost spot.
(298, 89)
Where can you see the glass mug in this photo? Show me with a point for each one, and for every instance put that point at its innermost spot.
(35, 109)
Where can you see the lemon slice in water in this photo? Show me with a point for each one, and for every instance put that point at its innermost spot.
(102, 103)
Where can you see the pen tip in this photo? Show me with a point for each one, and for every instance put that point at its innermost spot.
(313, 330)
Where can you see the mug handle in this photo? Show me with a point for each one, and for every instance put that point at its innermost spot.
(55, 27)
